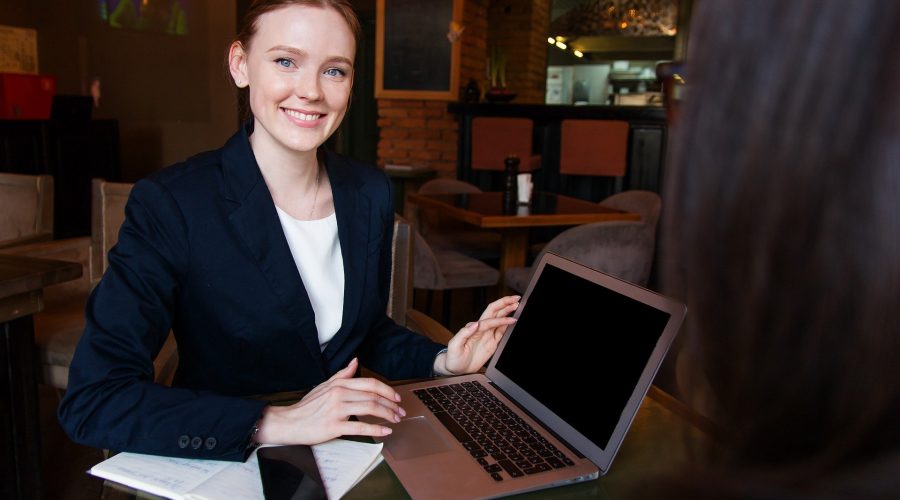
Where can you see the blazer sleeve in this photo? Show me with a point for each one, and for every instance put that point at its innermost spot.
(390, 349)
(111, 400)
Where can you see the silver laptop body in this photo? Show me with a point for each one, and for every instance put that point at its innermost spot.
(582, 339)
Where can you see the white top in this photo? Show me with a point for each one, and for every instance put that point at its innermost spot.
(317, 253)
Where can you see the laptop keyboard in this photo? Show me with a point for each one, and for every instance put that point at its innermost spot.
(498, 439)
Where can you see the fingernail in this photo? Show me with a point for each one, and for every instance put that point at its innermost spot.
(396, 419)
(396, 397)
(386, 430)
(469, 324)
(402, 412)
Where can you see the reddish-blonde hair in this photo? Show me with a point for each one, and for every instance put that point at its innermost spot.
(259, 7)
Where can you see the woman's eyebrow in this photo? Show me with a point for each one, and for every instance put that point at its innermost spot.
(286, 48)
(303, 53)
(340, 59)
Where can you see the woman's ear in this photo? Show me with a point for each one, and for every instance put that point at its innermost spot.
(237, 64)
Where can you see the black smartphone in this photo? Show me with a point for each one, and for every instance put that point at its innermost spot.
(290, 473)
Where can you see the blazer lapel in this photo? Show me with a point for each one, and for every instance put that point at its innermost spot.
(257, 223)
(354, 218)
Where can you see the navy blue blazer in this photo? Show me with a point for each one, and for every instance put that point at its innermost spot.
(202, 252)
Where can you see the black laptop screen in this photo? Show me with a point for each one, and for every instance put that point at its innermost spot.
(579, 348)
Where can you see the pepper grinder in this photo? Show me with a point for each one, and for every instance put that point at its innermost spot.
(510, 187)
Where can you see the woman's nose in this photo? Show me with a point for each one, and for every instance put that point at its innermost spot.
(308, 87)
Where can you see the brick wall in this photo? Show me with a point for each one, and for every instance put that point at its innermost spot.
(519, 29)
(419, 132)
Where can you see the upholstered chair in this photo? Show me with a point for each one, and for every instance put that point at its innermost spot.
(26, 202)
(455, 235)
(442, 270)
(621, 249)
(59, 326)
(645, 203)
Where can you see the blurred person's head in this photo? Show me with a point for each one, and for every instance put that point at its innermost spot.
(784, 212)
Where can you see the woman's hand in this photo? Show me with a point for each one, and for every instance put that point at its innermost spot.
(323, 413)
(475, 343)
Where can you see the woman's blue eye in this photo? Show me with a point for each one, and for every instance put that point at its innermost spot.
(335, 72)
(284, 62)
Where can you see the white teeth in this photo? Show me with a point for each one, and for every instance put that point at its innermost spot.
(301, 116)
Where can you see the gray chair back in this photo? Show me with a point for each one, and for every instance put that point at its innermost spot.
(448, 186)
(26, 202)
(646, 203)
(623, 249)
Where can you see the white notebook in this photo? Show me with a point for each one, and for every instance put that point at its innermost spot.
(341, 464)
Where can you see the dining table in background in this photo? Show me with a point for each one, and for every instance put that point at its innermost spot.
(488, 210)
(22, 280)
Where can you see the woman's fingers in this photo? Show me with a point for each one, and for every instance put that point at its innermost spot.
(347, 371)
(357, 428)
(324, 413)
(497, 307)
(369, 385)
(371, 408)
(345, 378)
(465, 332)
(354, 396)
(479, 328)
(492, 323)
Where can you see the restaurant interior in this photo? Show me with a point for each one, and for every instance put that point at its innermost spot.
(542, 126)
(154, 90)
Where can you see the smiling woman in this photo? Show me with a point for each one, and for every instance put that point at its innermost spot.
(299, 70)
(270, 261)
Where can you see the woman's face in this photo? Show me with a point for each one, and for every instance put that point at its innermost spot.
(299, 68)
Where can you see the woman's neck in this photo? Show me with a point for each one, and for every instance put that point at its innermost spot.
(293, 178)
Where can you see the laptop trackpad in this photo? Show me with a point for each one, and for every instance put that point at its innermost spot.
(415, 437)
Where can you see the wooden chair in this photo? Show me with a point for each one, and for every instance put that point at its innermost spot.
(26, 202)
(401, 295)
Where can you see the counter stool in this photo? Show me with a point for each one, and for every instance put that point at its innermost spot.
(495, 138)
(594, 148)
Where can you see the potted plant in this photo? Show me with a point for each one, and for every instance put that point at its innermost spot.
(497, 69)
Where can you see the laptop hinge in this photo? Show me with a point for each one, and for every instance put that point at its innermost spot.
(537, 421)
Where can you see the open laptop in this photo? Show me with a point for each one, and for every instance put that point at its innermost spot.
(582, 339)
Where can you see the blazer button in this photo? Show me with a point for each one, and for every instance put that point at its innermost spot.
(210, 443)
(183, 441)
(196, 442)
